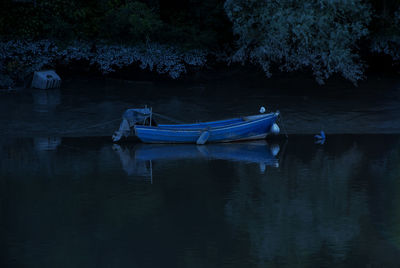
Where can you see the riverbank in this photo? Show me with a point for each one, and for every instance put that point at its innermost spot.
(19, 59)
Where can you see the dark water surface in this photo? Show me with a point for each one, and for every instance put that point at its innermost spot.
(77, 202)
(73, 201)
(373, 107)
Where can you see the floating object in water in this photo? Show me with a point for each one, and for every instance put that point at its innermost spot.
(46, 79)
(320, 138)
(262, 109)
(138, 121)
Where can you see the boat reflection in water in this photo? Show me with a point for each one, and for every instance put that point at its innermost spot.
(137, 160)
(46, 143)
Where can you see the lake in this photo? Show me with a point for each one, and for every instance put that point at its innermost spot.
(71, 198)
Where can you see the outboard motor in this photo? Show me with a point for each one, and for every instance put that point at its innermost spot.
(130, 118)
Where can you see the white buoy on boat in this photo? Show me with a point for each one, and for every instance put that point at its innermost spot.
(262, 109)
(275, 129)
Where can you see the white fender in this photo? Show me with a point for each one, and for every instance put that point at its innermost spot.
(275, 129)
(203, 137)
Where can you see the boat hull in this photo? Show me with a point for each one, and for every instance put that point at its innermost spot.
(248, 128)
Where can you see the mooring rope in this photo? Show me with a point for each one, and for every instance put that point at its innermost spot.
(168, 118)
(117, 119)
(91, 126)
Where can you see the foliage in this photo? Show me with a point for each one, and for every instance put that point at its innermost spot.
(18, 58)
(195, 23)
(319, 34)
(133, 21)
(387, 36)
(191, 23)
(325, 37)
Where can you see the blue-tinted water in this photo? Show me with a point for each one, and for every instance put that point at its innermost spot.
(72, 201)
(373, 107)
(88, 203)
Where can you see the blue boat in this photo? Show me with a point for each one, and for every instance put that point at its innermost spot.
(139, 122)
